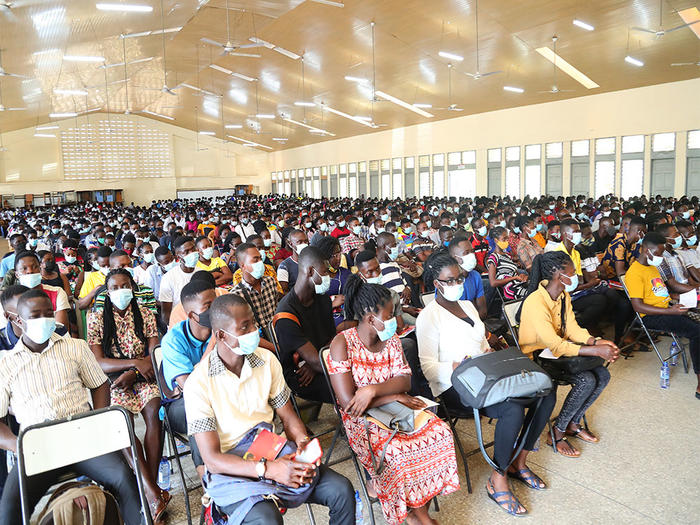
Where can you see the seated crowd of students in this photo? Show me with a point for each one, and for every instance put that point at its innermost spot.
(90, 290)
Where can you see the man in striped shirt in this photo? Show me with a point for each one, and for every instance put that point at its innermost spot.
(46, 377)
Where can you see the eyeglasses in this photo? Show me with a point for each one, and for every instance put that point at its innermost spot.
(451, 282)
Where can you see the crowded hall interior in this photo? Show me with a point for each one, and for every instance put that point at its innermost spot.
(349, 262)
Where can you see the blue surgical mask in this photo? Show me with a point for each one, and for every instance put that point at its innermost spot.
(388, 331)
(247, 343)
(416, 221)
(677, 242)
(516, 229)
(323, 227)
(407, 230)
(356, 230)
(322, 288)
(576, 238)
(263, 255)
(481, 231)
(374, 280)
(170, 266)
(655, 260)
(574, 283)
(149, 258)
(207, 252)
(686, 215)
(539, 227)
(393, 253)
(258, 270)
(191, 259)
(341, 224)
(40, 329)
(30, 280)
(487, 215)
(531, 233)
(691, 241)
(267, 243)
(385, 217)
(121, 298)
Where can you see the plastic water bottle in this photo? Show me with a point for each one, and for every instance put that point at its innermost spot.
(665, 375)
(164, 474)
(359, 516)
(674, 353)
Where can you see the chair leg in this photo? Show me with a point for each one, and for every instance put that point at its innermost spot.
(550, 429)
(176, 455)
(329, 452)
(453, 426)
(311, 514)
(201, 515)
(437, 505)
(682, 352)
(585, 423)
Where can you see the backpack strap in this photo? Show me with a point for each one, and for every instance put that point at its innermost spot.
(285, 315)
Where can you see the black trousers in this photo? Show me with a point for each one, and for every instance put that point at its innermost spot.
(109, 470)
(589, 309)
(178, 420)
(317, 390)
(682, 326)
(512, 421)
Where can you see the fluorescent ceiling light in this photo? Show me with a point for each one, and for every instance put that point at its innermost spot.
(329, 2)
(305, 104)
(356, 79)
(451, 56)
(42, 128)
(62, 115)
(280, 139)
(567, 68)
(119, 64)
(513, 89)
(70, 92)
(222, 69)
(157, 115)
(83, 58)
(247, 142)
(310, 128)
(583, 25)
(126, 8)
(264, 115)
(244, 77)
(154, 32)
(423, 106)
(350, 117)
(403, 104)
(45, 135)
(189, 86)
(634, 61)
(233, 126)
(207, 133)
(362, 117)
(270, 45)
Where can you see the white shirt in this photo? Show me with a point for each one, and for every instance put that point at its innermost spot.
(172, 284)
(244, 230)
(140, 274)
(444, 339)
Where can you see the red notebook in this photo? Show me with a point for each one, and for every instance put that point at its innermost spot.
(265, 445)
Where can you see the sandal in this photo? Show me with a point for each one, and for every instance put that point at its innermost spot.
(510, 505)
(529, 478)
(158, 506)
(563, 438)
(578, 434)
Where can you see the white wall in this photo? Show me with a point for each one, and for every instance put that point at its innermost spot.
(654, 109)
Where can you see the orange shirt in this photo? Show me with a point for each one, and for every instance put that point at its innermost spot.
(539, 239)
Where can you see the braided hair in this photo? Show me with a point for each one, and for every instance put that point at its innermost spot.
(362, 298)
(109, 328)
(543, 267)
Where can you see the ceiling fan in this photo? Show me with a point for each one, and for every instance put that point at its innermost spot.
(555, 88)
(165, 89)
(450, 105)
(661, 31)
(477, 75)
(4, 73)
(228, 47)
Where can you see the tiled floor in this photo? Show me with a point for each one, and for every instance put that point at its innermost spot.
(644, 470)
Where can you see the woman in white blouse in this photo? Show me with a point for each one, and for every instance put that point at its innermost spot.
(450, 331)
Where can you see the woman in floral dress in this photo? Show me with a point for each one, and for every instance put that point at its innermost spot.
(122, 336)
(368, 369)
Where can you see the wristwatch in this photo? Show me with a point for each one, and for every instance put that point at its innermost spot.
(260, 468)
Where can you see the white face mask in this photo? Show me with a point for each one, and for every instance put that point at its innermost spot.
(325, 283)
(299, 247)
(468, 262)
(655, 260)
(453, 292)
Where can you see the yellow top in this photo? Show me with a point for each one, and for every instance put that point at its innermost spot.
(575, 256)
(214, 263)
(645, 283)
(540, 325)
(92, 281)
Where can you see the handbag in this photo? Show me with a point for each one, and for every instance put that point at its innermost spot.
(393, 415)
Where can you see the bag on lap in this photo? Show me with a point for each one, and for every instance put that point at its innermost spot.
(77, 503)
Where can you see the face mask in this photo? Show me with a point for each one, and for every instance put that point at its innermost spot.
(468, 262)
(258, 270)
(104, 270)
(341, 224)
(686, 215)
(207, 252)
(191, 259)
(380, 230)
(323, 227)
(149, 258)
(356, 230)
(394, 253)
(574, 283)
(267, 243)
(416, 221)
(170, 266)
(655, 260)
(299, 247)
(539, 227)
(551, 206)
(70, 259)
(244, 220)
(531, 233)
(55, 231)
(517, 209)
(677, 241)
(642, 215)
(692, 240)
(121, 298)
(39, 330)
(247, 343)
(556, 236)
(388, 331)
(606, 214)
(331, 223)
(487, 215)
(385, 217)
(425, 234)
(203, 319)
(502, 244)
(373, 280)
(407, 230)
(307, 225)
(576, 238)
(452, 293)
(481, 231)
(502, 224)
(30, 280)
(33, 242)
(325, 284)
(516, 229)
(453, 223)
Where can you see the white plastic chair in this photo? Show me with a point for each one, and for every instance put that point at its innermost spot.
(55, 444)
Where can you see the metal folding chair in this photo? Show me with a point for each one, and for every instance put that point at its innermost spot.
(649, 332)
(157, 362)
(337, 430)
(427, 298)
(510, 311)
(55, 444)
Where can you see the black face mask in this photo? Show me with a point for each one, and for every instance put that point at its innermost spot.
(203, 319)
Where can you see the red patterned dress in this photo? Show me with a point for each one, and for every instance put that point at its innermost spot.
(417, 467)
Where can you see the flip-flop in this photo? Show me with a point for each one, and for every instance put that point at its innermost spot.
(549, 442)
(509, 505)
(158, 507)
(577, 434)
(525, 475)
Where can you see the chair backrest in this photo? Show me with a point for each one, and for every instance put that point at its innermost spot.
(510, 311)
(273, 339)
(323, 355)
(54, 444)
(427, 298)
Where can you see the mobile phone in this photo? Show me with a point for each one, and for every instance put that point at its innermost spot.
(311, 454)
